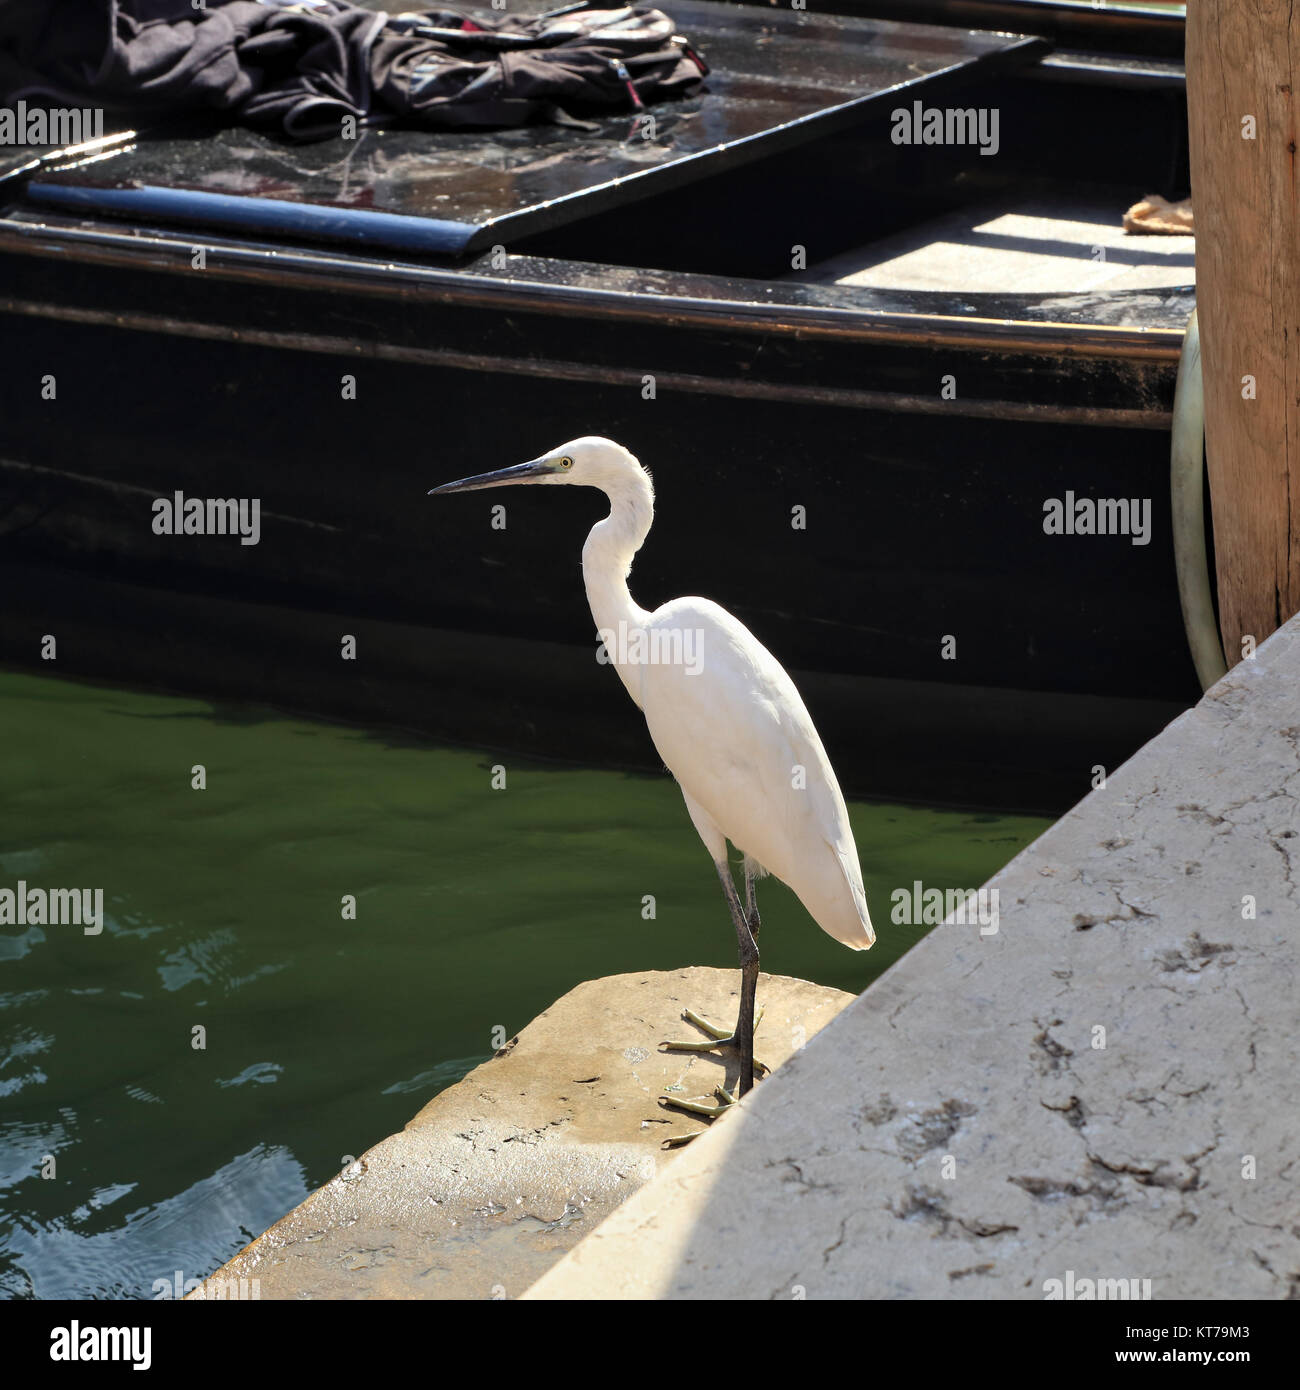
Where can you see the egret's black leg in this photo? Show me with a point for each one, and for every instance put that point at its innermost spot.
(745, 919)
(751, 902)
(748, 951)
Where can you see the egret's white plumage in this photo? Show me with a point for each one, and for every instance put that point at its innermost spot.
(735, 733)
(729, 724)
(766, 784)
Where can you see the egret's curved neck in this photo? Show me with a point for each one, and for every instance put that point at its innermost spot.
(607, 555)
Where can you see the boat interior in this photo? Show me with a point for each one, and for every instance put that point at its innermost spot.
(792, 172)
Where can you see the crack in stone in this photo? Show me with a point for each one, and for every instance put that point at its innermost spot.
(1084, 921)
(835, 1245)
(1254, 800)
(1183, 1095)
(806, 1184)
(1151, 1174)
(925, 1204)
(1072, 1113)
(1286, 859)
(1261, 1225)
(1102, 1194)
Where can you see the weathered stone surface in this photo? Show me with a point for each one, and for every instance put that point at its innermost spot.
(960, 1132)
(502, 1173)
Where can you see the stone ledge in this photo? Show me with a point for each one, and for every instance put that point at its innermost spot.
(501, 1174)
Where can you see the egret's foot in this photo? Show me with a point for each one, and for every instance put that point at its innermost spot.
(697, 1107)
(679, 1141)
(717, 1037)
(725, 1101)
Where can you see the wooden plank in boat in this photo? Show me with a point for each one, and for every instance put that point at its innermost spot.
(1057, 242)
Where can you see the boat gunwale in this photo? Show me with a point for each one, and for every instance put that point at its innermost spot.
(299, 268)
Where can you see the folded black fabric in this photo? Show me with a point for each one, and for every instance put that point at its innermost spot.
(305, 67)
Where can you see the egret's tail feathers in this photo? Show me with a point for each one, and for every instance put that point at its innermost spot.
(868, 931)
(858, 933)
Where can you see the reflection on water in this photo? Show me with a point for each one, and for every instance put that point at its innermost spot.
(175, 1084)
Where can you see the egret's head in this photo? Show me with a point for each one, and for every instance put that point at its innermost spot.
(590, 462)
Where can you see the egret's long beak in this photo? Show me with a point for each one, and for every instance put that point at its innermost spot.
(503, 477)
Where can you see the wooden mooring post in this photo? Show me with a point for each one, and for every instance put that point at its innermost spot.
(1242, 59)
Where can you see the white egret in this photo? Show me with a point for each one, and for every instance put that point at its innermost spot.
(727, 722)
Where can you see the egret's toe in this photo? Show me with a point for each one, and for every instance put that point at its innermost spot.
(717, 1038)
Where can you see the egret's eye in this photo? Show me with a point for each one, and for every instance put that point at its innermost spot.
(566, 463)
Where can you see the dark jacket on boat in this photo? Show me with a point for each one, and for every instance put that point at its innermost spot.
(303, 68)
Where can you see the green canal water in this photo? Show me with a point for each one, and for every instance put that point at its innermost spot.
(476, 907)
